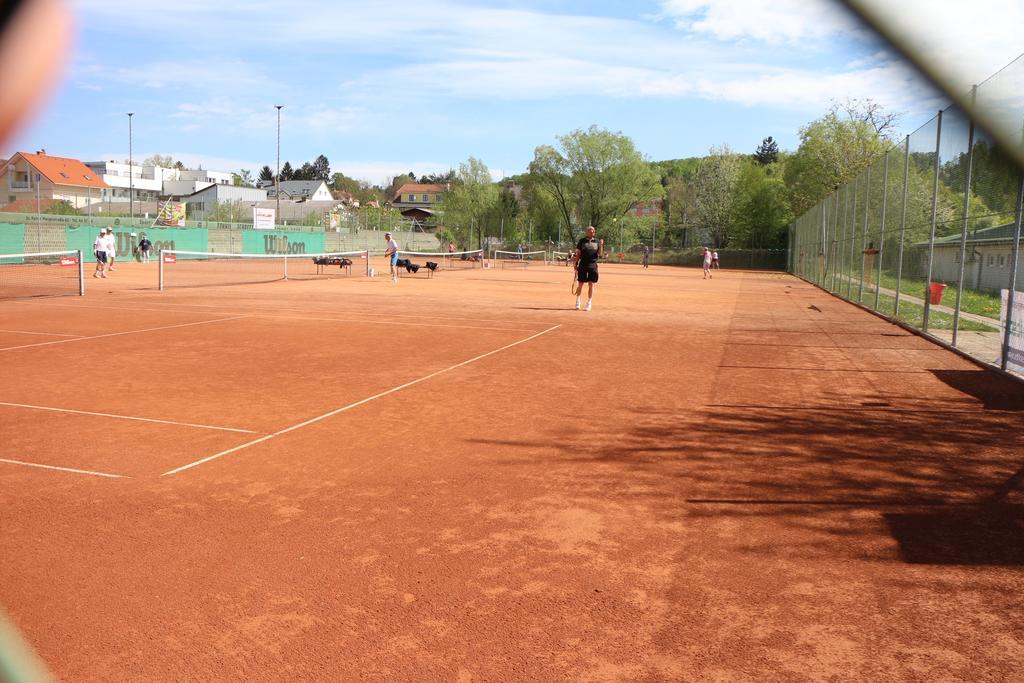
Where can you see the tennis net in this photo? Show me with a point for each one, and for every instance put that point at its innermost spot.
(448, 260)
(211, 269)
(516, 258)
(49, 273)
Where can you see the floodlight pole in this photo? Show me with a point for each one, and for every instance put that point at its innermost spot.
(131, 173)
(277, 177)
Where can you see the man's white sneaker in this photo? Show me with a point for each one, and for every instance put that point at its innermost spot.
(588, 306)
(577, 303)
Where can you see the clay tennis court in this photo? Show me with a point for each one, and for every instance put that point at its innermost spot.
(461, 478)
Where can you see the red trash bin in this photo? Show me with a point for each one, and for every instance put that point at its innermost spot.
(935, 290)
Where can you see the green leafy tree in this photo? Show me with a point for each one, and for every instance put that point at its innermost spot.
(266, 175)
(471, 198)
(833, 150)
(593, 176)
(714, 194)
(242, 179)
(761, 209)
(287, 173)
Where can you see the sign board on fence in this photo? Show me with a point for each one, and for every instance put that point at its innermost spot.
(68, 261)
(170, 258)
(1015, 349)
(262, 219)
(172, 214)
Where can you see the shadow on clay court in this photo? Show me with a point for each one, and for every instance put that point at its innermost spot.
(945, 480)
(994, 391)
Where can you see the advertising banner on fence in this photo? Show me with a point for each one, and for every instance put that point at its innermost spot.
(262, 219)
(171, 214)
(12, 238)
(127, 239)
(279, 242)
(1015, 350)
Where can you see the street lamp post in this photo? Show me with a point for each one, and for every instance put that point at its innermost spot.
(277, 176)
(131, 173)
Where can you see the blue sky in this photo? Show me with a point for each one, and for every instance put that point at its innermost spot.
(388, 87)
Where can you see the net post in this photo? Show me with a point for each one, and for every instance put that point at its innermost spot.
(285, 266)
(81, 273)
(367, 252)
(160, 269)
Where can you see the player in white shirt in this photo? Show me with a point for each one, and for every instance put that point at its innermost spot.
(391, 251)
(707, 263)
(99, 248)
(111, 248)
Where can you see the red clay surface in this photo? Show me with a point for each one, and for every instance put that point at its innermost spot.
(735, 479)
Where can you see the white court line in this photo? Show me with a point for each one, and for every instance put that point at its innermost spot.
(388, 322)
(50, 334)
(263, 306)
(256, 313)
(64, 469)
(350, 406)
(118, 334)
(127, 417)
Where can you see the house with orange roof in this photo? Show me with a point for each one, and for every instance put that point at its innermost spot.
(32, 178)
(419, 201)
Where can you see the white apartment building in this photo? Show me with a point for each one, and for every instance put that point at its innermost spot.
(150, 183)
(145, 181)
(189, 181)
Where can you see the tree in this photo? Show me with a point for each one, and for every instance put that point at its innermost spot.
(595, 176)
(438, 178)
(472, 196)
(157, 160)
(760, 209)
(286, 171)
(266, 175)
(867, 111)
(833, 150)
(305, 172)
(242, 179)
(321, 169)
(396, 184)
(714, 190)
(767, 152)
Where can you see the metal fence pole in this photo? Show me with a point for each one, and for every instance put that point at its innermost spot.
(864, 236)
(931, 235)
(841, 264)
(1014, 262)
(81, 272)
(903, 226)
(833, 246)
(881, 230)
(966, 217)
(822, 265)
(853, 241)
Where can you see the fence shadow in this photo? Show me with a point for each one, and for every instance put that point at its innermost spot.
(946, 482)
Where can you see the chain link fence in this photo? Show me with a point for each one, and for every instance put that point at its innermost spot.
(929, 234)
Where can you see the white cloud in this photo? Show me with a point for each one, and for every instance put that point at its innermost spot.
(770, 21)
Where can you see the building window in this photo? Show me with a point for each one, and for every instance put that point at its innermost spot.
(412, 198)
(1002, 260)
(991, 260)
(437, 197)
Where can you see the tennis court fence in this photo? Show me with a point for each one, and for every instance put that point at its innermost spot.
(929, 233)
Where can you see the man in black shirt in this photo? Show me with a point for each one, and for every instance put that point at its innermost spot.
(588, 251)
